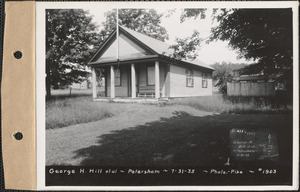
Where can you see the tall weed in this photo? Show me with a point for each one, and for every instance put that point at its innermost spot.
(225, 104)
(69, 111)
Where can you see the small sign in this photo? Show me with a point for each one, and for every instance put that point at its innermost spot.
(251, 145)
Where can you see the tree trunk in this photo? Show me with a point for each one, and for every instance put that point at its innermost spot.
(48, 82)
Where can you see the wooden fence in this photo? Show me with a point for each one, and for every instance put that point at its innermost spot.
(251, 89)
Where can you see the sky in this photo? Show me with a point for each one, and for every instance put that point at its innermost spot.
(209, 53)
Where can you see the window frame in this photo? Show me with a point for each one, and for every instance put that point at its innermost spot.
(187, 77)
(204, 80)
(147, 76)
(120, 77)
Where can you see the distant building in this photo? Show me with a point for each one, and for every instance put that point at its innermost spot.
(252, 78)
(251, 85)
(85, 84)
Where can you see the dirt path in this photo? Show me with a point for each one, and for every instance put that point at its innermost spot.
(62, 143)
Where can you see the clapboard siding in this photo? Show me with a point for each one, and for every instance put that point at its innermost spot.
(178, 86)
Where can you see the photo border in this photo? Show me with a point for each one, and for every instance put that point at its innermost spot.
(40, 86)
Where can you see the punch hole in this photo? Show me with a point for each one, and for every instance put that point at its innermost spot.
(18, 54)
(18, 136)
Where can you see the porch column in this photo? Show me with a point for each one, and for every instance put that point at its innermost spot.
(133, 83)
(94, 82)
(157, 85)
(112, 82)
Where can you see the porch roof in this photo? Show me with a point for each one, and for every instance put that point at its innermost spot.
(157, 47)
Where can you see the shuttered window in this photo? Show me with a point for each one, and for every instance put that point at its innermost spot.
(150, 75)
(189, 78)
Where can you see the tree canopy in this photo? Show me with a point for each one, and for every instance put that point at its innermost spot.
(71, 38)
(146, 21)
(264, 35)
(225, 73)
(186, 48)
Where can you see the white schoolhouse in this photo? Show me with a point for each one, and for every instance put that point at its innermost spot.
(143, 69)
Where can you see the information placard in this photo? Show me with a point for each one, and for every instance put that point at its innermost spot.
(253, 144)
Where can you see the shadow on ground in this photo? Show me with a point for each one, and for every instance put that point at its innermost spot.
(183, 140)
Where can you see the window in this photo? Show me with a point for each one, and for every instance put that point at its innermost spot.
(150, 75)
(189, 78)
(118, 77)
(204, 80)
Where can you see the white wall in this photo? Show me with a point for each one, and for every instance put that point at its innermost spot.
(178, 86)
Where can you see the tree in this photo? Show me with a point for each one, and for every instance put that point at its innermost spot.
(186, 48)
(264, 35)
(146, 21)
(225, 73)
(71, 38)
(192, 13)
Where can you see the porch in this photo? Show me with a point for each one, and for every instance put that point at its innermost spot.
(143, 82)
(132, 100)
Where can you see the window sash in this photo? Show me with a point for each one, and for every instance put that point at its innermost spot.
(189, 78)
(150, 75)
(204, 83)
(204, 80)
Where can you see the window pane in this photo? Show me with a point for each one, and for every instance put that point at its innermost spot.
(190, 82)
(204, 83)
(189, 78)
(151, 75)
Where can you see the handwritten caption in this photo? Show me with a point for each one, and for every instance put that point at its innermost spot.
(161, 171)
(253, 145)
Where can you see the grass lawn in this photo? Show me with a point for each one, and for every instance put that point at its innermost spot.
(234, 104)
(165, 136)
(183, 140)
(184, 132)
(66, 111)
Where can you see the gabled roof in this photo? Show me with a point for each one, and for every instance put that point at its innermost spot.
(156, 46)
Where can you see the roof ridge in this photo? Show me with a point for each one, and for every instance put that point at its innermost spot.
(161, 47)
(143, 34)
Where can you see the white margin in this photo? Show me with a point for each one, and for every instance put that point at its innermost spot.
(40, 85)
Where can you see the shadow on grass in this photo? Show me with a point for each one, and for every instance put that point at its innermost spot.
(183, 140)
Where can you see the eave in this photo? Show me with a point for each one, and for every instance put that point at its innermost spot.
(124, 61)
(184, 63)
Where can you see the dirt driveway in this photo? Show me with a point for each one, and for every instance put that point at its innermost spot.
(153, 135)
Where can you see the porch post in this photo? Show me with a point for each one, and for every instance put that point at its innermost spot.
(112, 82)
(133, 83)
(94, 82)
(157, 85)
